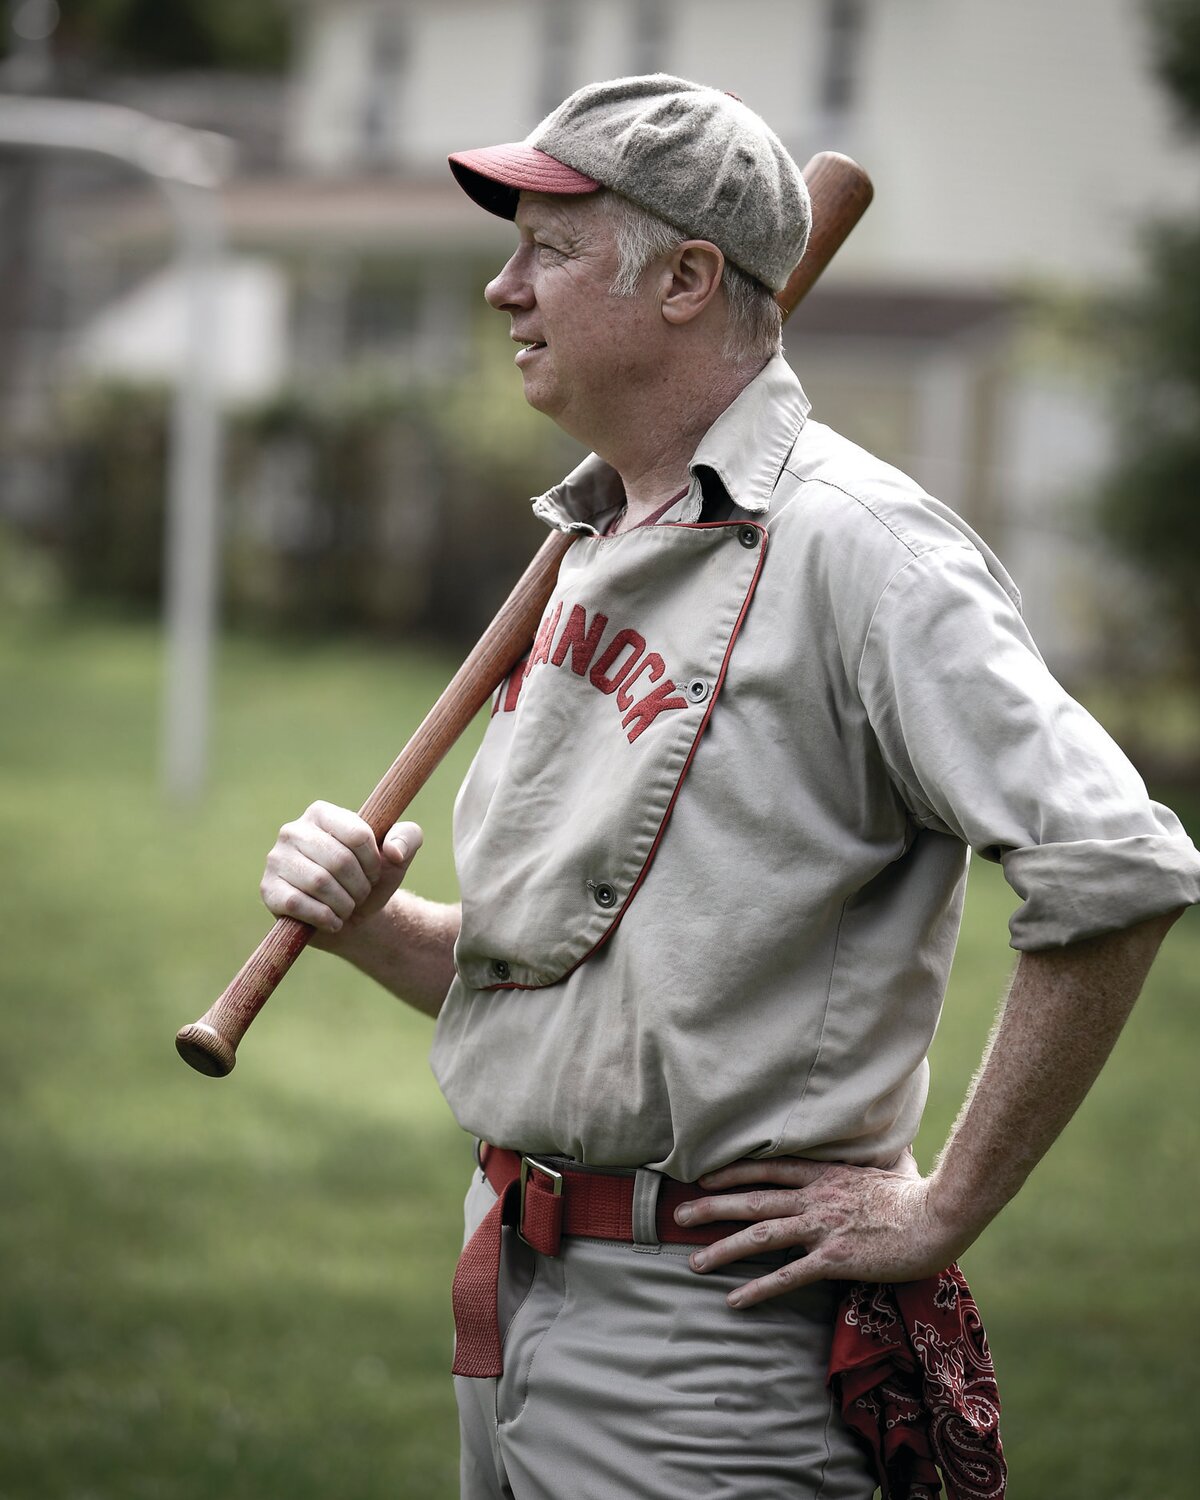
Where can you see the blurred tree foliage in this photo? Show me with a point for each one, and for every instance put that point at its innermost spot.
(354, 503)
(109, 534)
(1176, 26)
(1150, 506)
(237, 34)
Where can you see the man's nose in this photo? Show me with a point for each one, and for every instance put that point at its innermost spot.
(510, 288)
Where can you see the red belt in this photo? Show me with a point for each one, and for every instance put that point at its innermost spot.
(544, 1203)
(910, 1363)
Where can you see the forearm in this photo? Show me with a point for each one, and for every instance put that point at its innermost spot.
(408, 947)
(1061, 1019)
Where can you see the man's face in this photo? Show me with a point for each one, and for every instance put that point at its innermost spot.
(586, 350)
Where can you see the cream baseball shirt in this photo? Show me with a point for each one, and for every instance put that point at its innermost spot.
(713, 847)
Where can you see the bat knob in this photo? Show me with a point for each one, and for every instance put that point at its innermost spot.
(205, 1049)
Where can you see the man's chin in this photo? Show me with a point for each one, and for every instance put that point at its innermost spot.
(539, 396)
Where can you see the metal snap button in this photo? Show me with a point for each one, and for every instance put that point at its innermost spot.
(605, 895)
(697, 690)
(748, 536)
(500, 968)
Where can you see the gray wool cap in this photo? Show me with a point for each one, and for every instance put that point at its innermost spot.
(692, 155)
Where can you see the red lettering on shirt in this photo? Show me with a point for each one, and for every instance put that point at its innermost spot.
(618, 668)
(516, 679)
(580, 639)
(647, 709)
(652, 663)
(609, 682)
(541, 644)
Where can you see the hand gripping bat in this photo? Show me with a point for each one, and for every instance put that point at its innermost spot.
(840, 192)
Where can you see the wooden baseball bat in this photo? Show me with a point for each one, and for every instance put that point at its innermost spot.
(840, 192)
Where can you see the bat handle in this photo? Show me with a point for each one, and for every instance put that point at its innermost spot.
(210, 1044)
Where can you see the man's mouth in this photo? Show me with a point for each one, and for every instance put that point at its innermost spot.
(528, 348)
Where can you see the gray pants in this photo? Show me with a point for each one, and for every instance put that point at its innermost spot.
(626, 1377)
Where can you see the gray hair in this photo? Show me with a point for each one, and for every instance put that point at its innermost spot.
(755, 325)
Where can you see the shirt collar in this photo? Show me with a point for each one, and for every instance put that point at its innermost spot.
(745, 448)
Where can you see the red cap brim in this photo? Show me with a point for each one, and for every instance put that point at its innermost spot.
(494, 175)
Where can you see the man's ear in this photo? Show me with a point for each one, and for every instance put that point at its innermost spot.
(691, 276)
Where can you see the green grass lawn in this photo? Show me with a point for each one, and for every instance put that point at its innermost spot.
(240, 1288)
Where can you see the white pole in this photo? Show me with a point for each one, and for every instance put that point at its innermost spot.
(189, 166)
(191, 581)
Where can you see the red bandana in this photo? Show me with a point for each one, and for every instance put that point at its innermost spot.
(911, 1367)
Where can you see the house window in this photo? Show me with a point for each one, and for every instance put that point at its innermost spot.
(387, 68)
(845, 23)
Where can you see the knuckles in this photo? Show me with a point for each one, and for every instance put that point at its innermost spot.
(763, 1233)
(785, 1277)
(772, 1203)
(292, 904)
(326, 886)
(343, 824)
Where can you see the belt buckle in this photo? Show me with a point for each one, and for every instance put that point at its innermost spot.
(528, 1165)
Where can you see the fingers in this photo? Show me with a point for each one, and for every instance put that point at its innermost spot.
(326, 867)
(756, 1240)
(787, 1278)
(325, 832)
(790, 1171)
(779, 1225)
(779, 1215)
(763, 1238)
(762, 1203)
(398, 849)
(309, 893)
(402, 842)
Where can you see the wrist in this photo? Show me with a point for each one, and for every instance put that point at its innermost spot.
(957, 1214)
(353, 939)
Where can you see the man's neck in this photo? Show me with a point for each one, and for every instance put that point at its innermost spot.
(652, 451)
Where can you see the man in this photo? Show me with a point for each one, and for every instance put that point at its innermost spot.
(712, 854)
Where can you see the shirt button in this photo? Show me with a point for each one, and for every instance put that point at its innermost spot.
(604, 893)
(696, 690)
(500, 969)
(749, 536)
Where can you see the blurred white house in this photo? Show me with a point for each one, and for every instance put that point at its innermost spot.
(1017, 150)
(1007, 141)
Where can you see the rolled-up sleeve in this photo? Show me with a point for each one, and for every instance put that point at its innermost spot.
(983, 743)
